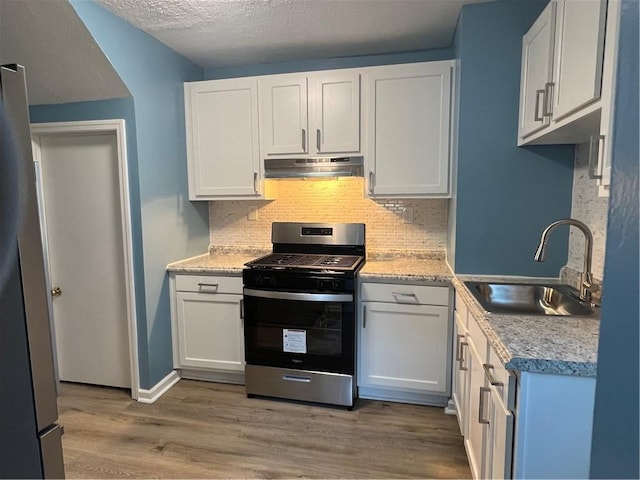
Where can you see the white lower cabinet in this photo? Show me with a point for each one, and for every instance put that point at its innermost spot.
(518, 424)
(460, 367)
(404, 333)
(207, 327)
(489, 438)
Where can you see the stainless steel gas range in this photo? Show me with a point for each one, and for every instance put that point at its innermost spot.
(300, 313)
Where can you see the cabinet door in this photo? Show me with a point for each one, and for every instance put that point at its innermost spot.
(579, 43)
(608, 97)
(404, 346)
(408, 115)
(475, 439)
(336, 105)
(210, 331)
(536, 74)
(283, 114)
(500, 438)
(222, 138)
(460, 366)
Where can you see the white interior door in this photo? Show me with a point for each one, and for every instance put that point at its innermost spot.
(84, 232)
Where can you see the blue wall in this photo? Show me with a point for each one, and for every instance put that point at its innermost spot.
(330, 63)
(172, 227)
(506, 195)
(615, 446)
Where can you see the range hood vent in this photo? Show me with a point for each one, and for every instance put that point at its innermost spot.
(317, 167)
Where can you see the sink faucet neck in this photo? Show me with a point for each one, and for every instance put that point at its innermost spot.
(586, 277)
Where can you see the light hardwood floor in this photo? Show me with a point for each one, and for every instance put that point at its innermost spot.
(210, 430)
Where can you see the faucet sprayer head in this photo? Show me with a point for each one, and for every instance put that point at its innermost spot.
(540, 252)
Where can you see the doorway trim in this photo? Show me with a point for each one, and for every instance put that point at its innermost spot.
(117, 127)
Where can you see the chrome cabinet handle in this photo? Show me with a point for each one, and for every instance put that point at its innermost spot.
(318, 135)
(458, 349)
(596, 145)
(481, 405)
(462, 345)
(255, 182)
(241, 308)
(371, 178)
(296, 378)
(364, 316)
(304, 140)
(487, 367)
(399, 294)
(547, 105)
(538, 118)
(208, 285)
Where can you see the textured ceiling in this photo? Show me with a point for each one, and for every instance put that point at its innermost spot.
(62, 61)
(222, 33)
(64, 64)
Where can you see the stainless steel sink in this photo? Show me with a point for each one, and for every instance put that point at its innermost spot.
(529, 299)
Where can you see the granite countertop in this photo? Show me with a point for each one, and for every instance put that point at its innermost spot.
(536, 343)
(528, 343)
(417, 266)
(218, 260)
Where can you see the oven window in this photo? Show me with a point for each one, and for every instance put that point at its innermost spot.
(299, 334)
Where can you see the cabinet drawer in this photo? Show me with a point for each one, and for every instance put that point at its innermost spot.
(462, 312)
(208, 284)
(478, 338)
(410, 294)
(502, 376)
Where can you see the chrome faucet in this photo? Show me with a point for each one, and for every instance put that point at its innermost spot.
(586, 278)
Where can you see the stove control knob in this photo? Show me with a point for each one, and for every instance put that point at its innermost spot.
(258, 279)
(272, 281)
(335, 284)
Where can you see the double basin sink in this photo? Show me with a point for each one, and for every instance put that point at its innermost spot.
(529, 299)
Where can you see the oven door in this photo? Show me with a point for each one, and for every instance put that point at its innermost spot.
(307, 331)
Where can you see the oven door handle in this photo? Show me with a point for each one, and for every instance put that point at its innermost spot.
(303, 297)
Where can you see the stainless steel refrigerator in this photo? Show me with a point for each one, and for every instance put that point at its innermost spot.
(30, 438)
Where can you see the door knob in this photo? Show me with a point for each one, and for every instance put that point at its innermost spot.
(56, 291)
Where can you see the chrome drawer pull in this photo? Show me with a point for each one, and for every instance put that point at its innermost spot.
(295, 378)
(212, 285)
(462, 345)
(408, 295)
(486, 367)
(481, 405)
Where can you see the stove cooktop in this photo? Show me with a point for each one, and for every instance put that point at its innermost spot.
(306, 261)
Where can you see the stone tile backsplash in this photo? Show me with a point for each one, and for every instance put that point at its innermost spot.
(412, 224)
(591, 209)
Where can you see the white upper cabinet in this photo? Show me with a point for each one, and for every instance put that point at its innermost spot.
(310, 114)
(223, 155)
(578, 56)
(283, 114)
(602, 170)
(408, 112)
(537, 69)
(562, 58)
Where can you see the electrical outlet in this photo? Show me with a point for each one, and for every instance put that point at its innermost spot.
(408, 214)
(253, 213)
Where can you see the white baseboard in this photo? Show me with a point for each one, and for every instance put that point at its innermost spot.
(159, 389)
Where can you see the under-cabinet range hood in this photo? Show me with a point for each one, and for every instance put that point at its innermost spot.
(313, 167)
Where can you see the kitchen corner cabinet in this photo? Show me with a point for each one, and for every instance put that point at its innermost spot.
(223, 158)
(207, 327)
(518, 424)
(404, 333)
(311, 114)
(562, 58)
(408, 113)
